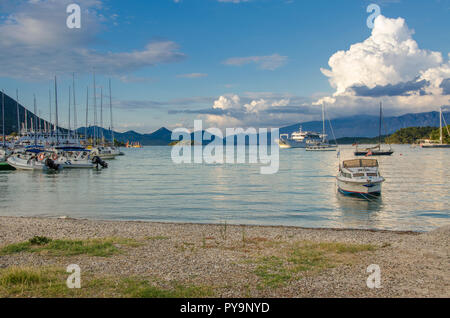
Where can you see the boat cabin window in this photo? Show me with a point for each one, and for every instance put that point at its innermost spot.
(357, 175)
(372, 174)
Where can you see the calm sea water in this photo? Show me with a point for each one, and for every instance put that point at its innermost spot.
(146, 185)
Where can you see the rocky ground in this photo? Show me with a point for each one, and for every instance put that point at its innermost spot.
(195, 260)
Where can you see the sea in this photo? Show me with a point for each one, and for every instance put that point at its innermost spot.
(146, 185)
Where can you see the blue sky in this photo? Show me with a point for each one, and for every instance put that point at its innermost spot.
(263, 57)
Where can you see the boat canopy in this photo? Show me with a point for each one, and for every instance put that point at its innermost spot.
(359, 163)
(72, 149)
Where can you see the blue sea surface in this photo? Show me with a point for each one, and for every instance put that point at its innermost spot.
(146, 185)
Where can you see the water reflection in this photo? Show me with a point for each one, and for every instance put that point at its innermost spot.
(146, 185)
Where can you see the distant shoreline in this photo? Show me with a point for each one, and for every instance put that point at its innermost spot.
(149, 259)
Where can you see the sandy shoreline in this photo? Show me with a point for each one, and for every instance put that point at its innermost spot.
(245, 261)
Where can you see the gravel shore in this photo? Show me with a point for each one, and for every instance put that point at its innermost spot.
(234, 261)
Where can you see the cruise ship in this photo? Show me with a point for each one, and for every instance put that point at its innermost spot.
(300, 139)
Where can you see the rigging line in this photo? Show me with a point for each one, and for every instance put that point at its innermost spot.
(446, 126)
(332, 130)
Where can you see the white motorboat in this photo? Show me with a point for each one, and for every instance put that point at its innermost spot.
(73, 159)
(32, 161)
(360, 177)
(105, 152)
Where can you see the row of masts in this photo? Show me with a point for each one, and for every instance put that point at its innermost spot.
(53, 130)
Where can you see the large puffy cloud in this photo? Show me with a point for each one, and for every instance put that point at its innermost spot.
(35, 42)
(388, 66)
(389, 56)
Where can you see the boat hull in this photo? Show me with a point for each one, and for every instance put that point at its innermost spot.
(359, 188)
(6, 166)
(21, 164)
(290, 143)
(435, 146)
(374, 153)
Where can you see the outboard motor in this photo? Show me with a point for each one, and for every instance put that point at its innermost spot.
(98, 161)
(51, 164)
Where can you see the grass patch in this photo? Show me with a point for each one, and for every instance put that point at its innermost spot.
(92, 247)
(138, 288)
(27, 282)
(275, 271)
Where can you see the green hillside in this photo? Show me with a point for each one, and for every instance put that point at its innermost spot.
(11, 115)
(411, 135)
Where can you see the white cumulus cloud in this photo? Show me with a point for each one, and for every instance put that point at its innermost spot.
(389, 56)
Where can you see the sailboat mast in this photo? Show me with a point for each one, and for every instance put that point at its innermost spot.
(87, 114)
(75, 124)
(50, 108)
(56, 113)
(3, 117)
(440, 125)
(35, 121)
(101, 112)
(70, 98)
(18, 114)
(381, 116)
(95, 112)
(110, 110)
(323, 122)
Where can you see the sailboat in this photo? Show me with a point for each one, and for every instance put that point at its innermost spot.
(377, 150)
(322, 145)
(427, 143)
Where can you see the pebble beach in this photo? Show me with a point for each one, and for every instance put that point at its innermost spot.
(239, 261)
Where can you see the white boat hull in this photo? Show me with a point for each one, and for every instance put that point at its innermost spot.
(23, 164)
(347, 187)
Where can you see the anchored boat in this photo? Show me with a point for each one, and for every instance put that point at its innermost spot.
(360, 177)
(377, 150)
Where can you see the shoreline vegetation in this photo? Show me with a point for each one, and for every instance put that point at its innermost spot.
(143, 259)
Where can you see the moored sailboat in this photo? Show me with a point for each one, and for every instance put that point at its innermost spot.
(377, 150)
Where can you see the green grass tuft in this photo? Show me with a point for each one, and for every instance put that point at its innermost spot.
(92, 247)
(138, 288)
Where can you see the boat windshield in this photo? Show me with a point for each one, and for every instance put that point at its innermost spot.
(359, 163)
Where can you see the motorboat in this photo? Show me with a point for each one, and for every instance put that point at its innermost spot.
(360, 177)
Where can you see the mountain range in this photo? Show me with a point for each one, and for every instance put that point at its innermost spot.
(354, 126)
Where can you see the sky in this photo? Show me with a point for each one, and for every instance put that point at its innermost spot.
(231, 63)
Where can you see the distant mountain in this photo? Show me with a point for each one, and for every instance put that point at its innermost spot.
(161, 137)
(368, 126)
(355, 126)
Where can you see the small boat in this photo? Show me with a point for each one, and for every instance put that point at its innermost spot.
(322, 145)
(360, 177)
(377, 150)
(373, 151)
(427, 143)
(32, 161)
(105, 152)
(77, 159)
